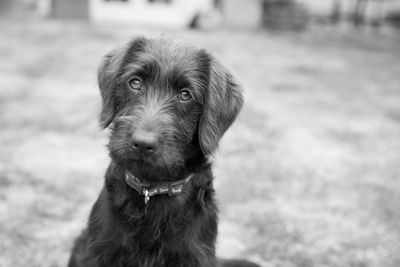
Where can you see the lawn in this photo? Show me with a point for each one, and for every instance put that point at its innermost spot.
(309, 175)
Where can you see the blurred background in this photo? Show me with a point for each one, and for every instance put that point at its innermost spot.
(309, 175)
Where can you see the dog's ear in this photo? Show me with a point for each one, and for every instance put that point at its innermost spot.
(107, 77)
(221, 105)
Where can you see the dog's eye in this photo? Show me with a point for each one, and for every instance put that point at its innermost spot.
(184, 95)
(135, 83)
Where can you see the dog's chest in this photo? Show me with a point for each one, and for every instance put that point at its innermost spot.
(158, 246)
(183, 238)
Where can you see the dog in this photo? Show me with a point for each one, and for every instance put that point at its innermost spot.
(167, 106)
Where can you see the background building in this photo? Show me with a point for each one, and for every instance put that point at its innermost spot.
(205, 13)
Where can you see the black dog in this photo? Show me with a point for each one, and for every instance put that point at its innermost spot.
(168, 106)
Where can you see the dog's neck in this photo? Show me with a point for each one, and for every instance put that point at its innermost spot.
(149, 190)
(122, 191)
(165, 221)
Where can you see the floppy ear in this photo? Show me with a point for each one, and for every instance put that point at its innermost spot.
(221, 105)
(107, 73)
(106, 76)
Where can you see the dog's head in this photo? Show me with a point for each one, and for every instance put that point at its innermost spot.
(165, 104)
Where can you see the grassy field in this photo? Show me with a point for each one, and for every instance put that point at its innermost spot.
(308, 176)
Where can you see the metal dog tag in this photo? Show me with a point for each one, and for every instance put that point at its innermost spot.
(146, 196)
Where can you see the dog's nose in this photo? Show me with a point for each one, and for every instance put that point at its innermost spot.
(144, 142)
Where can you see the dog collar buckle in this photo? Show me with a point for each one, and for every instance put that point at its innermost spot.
(146, 195)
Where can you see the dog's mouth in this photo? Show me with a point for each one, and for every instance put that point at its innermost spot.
(144, 161)
(141, 162)
(156, 166)
(149, 171)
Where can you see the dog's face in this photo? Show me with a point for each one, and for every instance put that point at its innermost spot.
(166, 104)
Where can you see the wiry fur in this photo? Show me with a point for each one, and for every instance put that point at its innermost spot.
(178, 231)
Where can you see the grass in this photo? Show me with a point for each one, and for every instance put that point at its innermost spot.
(308, 175)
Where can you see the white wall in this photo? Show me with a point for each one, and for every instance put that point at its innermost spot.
(178, 14)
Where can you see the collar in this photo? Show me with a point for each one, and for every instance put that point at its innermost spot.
(148, 190)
